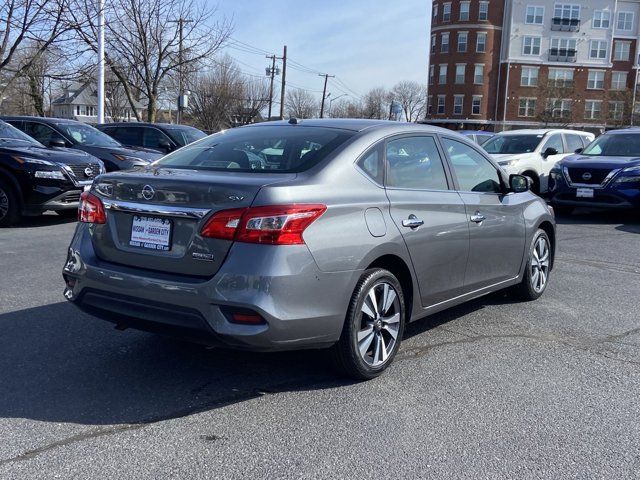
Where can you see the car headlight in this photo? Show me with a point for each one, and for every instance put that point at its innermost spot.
(629, 175)
(129, 158)
(50, 174)
(33, 161)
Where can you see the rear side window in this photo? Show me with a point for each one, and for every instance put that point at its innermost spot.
(277, 148)
(126, 135)
(414, 162)
(372, 164)
(573, 142)
(152, 137)
(474, 172)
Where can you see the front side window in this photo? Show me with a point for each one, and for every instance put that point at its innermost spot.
(9, 132)
(263, 149)
(42, 133)
(555, 142)
(415, 163)
(474, 172)
(184, 134)
(127, 135)
(152, 138)
(574, 142)
(512, 143)
(87, 135)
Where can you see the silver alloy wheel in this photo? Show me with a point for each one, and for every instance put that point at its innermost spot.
(540, 264)
(4, 204)
(379, 324)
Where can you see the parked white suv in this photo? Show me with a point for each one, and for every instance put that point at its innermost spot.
(533, 153)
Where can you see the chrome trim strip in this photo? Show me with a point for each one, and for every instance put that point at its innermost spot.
(605, 182)
(130, 207)
(474, 292)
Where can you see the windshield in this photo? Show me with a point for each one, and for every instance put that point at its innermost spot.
(510, 144)
(185, 135)
(9, 134)
(616, 145)
(268, 149)
(87, 135)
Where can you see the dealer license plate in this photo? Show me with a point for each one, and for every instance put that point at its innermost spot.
(151, 233)
(584, 192)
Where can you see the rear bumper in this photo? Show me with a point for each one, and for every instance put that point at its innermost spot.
(302, 306)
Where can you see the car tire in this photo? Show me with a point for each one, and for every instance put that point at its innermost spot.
(373, 327)
(9, 206)
(538, 268)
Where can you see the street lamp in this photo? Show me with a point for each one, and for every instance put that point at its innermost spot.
(333, 99)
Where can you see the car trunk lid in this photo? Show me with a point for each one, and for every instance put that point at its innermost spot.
(155, 215)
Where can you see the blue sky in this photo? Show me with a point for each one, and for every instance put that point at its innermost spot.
(365, 43)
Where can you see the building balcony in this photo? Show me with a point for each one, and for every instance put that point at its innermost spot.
(565, 24)
(563, 55)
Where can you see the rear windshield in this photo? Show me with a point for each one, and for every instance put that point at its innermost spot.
(615, 145)
(259, 149)
(512, 143)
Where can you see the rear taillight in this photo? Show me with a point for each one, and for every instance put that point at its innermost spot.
(272, 225)
(91, 209)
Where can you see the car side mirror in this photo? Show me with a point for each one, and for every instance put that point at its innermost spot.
(578, 150)
(519, 183)
(164, 145)
(549, 151)
(57, 142)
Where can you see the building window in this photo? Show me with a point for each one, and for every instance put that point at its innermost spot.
(481, 42)
(464, 11)
(529, 77)
(560, 77)
(476, 103)
(598, 49)
(458, 102)
(566, 11)
(442, 79)
(531, 46)
(527, 107)
(619, 80)
(601, 19)
(460, 71)
(592, 109)
(483, 12)
(478, 74)
(596, 80)
(625, 21)
(621, 51)
(441, 104)
(435, 11)
(446, 12)
(462, 41)
(432, 74)
(433, 43)
(616, 110)
(559, 107)
(430, 105)
(535, 15)
(444, 43)
(568, 44)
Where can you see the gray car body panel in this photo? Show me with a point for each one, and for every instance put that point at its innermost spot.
(303, 291)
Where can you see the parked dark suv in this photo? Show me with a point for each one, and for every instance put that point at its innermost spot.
(161, 137)
(34, 179)
(58, 132)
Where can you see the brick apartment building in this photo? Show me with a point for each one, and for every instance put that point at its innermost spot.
(505, 64)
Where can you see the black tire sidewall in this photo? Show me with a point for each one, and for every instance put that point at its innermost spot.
(352, 323)
(13, 214)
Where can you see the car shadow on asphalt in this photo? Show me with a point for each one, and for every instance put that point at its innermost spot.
(47, 220)
(60, 365)
(629, 221)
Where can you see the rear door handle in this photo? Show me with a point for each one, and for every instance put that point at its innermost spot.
(478, 217)
(412, 222)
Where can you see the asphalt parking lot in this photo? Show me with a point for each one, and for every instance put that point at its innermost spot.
(492, 389)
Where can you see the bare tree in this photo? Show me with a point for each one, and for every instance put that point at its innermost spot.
(224, 97)
(376, 104)
(301, 104)
(33, 23)
(347, 109)
(411, 96)
(143, 41)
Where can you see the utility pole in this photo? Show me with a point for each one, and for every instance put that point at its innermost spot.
(284, 75)
(271, 71)
(181, 97)
(100, 111)
(324, 91)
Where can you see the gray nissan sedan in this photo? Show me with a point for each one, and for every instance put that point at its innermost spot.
(307, 234)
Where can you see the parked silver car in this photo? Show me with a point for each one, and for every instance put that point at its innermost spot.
(307, 234)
